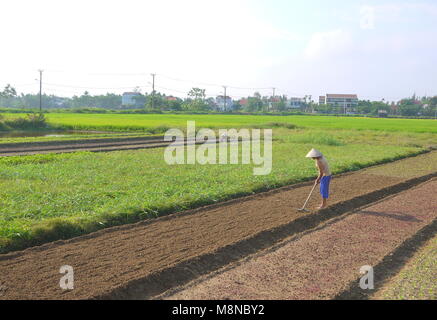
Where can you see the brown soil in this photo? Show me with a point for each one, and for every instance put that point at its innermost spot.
(37, 144)
(94, 145)
(321, 264)
(145, 259)
(415, 278)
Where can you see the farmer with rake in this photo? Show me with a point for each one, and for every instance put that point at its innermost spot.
(324, 178)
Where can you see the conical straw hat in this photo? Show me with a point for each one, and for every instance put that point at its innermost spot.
(314, 154)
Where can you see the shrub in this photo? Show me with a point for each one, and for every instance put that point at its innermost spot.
(271, 125)
(281, 125)
(30, 122)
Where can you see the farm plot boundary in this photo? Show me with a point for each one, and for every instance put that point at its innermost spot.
(75, 142)
(156, 284)
(107, 145)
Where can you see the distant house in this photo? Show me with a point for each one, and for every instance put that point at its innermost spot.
(224, 104)
(348, 102)
(60, 102)
(128, 99)
(295, 103)
(243, 102)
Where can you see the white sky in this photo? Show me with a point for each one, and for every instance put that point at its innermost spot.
(377, 49)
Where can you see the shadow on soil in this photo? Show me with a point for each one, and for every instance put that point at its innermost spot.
(392, 215)
(158, 283)
(390, 265)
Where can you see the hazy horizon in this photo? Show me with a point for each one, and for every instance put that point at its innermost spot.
(376, 49)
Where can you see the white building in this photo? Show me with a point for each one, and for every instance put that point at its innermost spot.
(60, 102)
(342, 100)
(224, 104)
(128, 98)
(295, 103)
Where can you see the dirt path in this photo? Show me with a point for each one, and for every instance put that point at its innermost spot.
(145, 259)
(322, 264)
(95, 145)
(40, 147)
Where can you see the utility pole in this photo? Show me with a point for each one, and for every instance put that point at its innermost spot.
(153, 90)
(40, 90)
(225, 104)
(273, 99)
(311, 104)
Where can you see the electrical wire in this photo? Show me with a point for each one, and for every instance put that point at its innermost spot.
(81, 87)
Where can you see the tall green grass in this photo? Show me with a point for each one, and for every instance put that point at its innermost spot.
(315, 138)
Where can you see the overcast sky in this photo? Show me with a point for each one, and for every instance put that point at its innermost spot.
(377, 49)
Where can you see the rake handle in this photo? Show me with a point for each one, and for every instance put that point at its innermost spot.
(311, 193)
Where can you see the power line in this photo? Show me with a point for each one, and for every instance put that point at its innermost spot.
(97, 73)
(19, 85)
(81, 87)
(213, 84)
(241, 88)
(141, 74)
(190, 81)
(50, 85)
(175, 90)
(166, 77)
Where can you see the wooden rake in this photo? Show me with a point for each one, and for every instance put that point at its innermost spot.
(311, 193)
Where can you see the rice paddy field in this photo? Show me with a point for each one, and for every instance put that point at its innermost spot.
(155, 123)
(58, 196)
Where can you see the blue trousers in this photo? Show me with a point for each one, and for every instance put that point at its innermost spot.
(324, 186)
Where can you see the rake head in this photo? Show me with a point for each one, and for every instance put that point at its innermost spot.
(303, 210)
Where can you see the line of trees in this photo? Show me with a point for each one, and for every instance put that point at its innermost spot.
(10, 99)
(196, 100)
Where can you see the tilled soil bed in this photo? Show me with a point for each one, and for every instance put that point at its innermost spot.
(145, 259)
(92, 145)
(322, 263)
